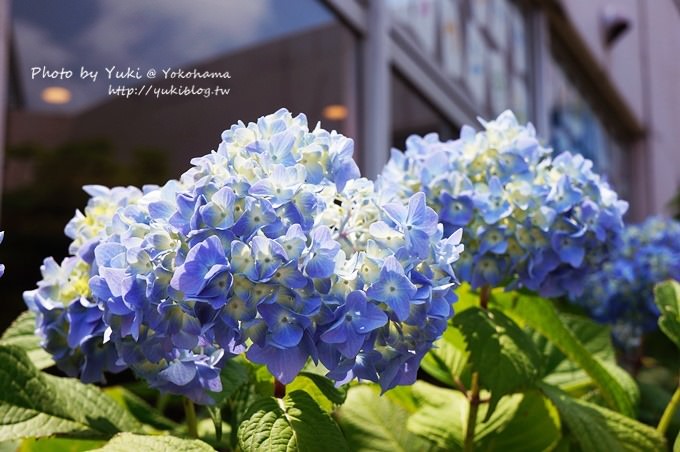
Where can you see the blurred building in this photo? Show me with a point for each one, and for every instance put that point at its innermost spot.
(595, 76)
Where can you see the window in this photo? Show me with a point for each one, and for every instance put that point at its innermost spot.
(480, 43)
(411, 115)
(576, 127)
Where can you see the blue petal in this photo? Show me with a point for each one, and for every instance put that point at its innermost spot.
(105, 252)
(320, 266)
(179, 373)
(396, 212)
(161, 210)
(289, 276)
(284, 365)
(395, 290)
(337, 333)
(419, 215)
(286, 334)
(372, 318)
(419, 243)
(351, 347)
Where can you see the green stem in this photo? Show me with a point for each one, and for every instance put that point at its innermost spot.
(484, 297)
(469, 444)
(190, 414)
(668, 413)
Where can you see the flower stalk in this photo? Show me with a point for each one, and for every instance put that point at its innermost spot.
(190, 415)
(669, 412)
(473, 397)
(484, 296)
(279, 389)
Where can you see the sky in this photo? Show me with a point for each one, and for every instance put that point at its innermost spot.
(97, 34)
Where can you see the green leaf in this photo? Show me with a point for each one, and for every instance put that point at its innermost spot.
(667, 297)
(58, 445)
(263, 380)
(376, 424)
(139, 408)
(125, 442)
(626, 380)
(295, 422)
(448, 357)
(21, 333)
(596, 339)
(404, 397)
(234, 376)
(540, 315)
(597, 429)
(504, 356)
(442, 417)
(260, 385)
(320, 388)
(33, 404)
(10, 446)
(520, 421)
(534, 425)
(89, 406)
(676, 446)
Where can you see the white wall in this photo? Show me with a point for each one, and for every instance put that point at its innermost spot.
(664, 100)
(644, 66)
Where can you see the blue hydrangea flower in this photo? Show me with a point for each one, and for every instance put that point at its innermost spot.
(621, 292)
(528, 216)
(273, 246)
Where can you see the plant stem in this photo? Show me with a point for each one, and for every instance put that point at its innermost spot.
(279, 389)
(190, 414)
(460, 384)
(484, 297)
(473, 397)
(668, 413)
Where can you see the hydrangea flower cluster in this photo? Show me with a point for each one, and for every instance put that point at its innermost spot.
(528, 216)
(68, 319)
(274, 246)
(622, 291)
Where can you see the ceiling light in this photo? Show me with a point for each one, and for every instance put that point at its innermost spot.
(335, 112)
(57, 95)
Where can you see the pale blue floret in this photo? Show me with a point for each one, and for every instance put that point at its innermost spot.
(205, 274)
(417, 222)
(322, 254)
(393, 288)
